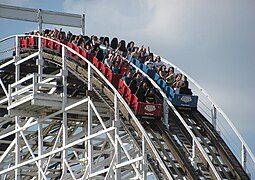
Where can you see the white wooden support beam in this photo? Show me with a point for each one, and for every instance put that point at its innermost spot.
(40, 61)
(17, 149)
(35, 83)
(117, 145)
(17, 46)
(144, 161)
(128, 156)
(3, 87)
(90, 145)
(57, 150)
(53, 148)
(32, 154)
(64, 115)
(40, 148)
(17, 76)
(108, 174)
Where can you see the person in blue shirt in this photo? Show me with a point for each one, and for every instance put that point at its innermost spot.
(115, 67)
(116, 64)
(108, 61)
(128, 78)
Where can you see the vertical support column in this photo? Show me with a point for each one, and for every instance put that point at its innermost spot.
(16, 59)
(17, 71)
(35, 83)
(83, 24)
(17, 77)
(117, 145)
(144, 163)
(214, 115)
(17, 47)
(112, 153)
(244, 157)
(17, 149)
(90, 145)
(40, 61)
(166, 112)
(40, 147)
(64, 102)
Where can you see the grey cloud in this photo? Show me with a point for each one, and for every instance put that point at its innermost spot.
(110, 17)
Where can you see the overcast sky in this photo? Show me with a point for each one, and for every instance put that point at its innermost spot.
(213, 41)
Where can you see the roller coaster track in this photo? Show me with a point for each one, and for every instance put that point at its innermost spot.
(89, 132)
